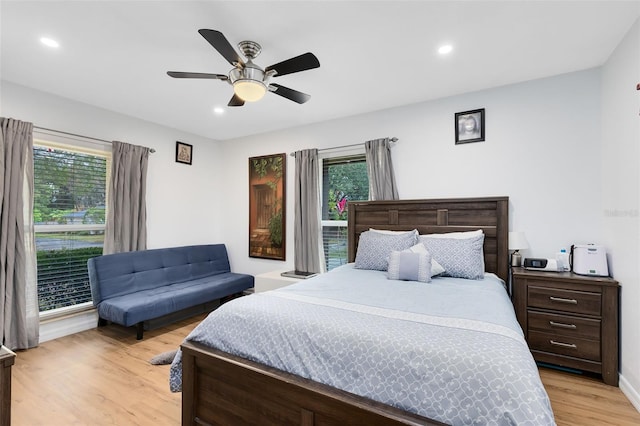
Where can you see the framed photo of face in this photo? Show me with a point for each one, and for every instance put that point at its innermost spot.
(469, 126)
(183, 153)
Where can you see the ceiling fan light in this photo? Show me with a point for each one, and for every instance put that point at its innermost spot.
(249, 90)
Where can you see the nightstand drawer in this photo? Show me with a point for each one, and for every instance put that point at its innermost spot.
(563, 345)
(565, 325)
(578, 302)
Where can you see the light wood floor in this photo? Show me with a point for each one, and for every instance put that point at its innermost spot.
(103, 377)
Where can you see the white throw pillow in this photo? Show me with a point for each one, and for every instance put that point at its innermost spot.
(436, 268)
(409, 266)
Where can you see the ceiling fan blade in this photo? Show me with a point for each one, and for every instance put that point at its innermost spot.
(235, 101)
(291, 94)
(303, 62)
(222, 45)
(179, 74)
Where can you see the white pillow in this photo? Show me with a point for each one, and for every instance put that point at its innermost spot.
(436, 268)
(457, 235)
(389, 232)
(409, 266)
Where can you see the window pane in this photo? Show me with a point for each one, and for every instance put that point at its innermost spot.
(334, 240)
(69, 187)
(63, 279)
(344, 179)
(69, 214)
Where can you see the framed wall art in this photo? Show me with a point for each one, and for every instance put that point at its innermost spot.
(469, 126)
(267, 219)
(184, 151)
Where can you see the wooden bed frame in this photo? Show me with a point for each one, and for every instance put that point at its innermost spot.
(223, 389)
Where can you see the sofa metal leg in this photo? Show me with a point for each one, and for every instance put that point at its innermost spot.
(140, 330)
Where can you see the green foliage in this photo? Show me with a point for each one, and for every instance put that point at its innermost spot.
(349, 180)
(263, 165)
(66, 182)
(275, 229)
(94, 215)
(63, 278)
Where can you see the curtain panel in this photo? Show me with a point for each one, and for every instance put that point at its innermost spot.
(308, 253)
(382, 181)
(126, 228)
(19, 312)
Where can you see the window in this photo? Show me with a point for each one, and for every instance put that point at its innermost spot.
(344, 179)
(69, 212)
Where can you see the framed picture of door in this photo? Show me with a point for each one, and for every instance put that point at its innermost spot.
(267, 201)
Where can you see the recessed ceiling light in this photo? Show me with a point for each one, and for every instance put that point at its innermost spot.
(443, 50)
(218, 110)
(49, 42)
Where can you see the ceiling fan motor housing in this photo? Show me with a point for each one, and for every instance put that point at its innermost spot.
(250, 71)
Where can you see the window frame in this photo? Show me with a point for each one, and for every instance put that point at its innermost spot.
(80, 145)
(332, 154)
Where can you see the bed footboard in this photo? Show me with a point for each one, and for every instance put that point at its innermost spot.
(222, 389)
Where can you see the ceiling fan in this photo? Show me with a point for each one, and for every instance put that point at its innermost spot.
(250, 82)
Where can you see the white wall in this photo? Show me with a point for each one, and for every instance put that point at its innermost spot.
(182, 200)
(620, 153)
(542, 149)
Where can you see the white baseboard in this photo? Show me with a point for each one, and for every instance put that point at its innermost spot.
(70, 324)
(630, 392)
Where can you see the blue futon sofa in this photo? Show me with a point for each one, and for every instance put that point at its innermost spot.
(134, 287)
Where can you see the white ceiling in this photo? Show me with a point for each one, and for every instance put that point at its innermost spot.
(373, 54)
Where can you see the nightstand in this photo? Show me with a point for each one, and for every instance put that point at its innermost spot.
(569, 320)
(272, 280)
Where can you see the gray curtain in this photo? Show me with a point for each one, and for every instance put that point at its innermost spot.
(19, 313)
(308, 254)
(382, 181)
(126, 228)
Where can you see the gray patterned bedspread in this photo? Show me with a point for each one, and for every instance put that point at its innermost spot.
(450, 350)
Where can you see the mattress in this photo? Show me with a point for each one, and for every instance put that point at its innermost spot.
(450, 349)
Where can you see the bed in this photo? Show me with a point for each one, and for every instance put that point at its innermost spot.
(354, 347)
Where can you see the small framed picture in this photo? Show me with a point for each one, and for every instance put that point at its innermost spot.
(469, 126)
(183, 152)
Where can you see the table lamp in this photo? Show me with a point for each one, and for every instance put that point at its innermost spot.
(517, 242)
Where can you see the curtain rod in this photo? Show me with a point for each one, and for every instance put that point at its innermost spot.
(79, 136)
(393, 139)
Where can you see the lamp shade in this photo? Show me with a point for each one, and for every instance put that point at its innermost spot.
(517, 241)
(249, 90)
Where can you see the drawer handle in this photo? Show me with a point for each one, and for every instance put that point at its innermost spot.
(563, 300)
(562, 325)
(564, 345)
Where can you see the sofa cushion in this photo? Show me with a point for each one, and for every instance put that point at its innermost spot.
(121, 274)
(132, 308)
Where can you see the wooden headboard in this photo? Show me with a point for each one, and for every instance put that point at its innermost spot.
(491, 214)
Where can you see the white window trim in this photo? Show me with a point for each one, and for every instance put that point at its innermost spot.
(68, 228)
(65, 311)
(331, 153)
(46, 139)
